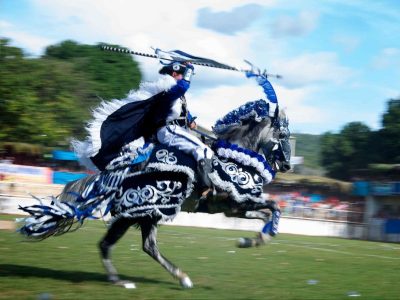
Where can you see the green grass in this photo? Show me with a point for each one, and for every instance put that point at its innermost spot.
(68, 267)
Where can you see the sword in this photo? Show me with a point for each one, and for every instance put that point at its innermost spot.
(181, 56)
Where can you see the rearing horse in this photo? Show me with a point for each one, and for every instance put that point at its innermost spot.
(150, 182)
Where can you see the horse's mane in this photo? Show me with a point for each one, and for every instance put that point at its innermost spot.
(248, 134)
(283, 116)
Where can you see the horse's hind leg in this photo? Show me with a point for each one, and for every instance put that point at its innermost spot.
(114, 233)
(149, 239)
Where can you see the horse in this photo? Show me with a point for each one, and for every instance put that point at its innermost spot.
(150, 182)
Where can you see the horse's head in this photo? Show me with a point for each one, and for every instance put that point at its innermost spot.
(251, 127)
(276, 145)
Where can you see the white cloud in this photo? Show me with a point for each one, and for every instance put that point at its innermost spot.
(298, 109)
(300, 25)
(312, 68)
(387, 58)
(229, 22)
(4, 24)
(34, 43)
(213, 104)
(164, 24)
(348, 43)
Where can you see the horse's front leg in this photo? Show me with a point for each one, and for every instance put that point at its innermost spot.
(270, 228)
(114, 233)
(149, 239)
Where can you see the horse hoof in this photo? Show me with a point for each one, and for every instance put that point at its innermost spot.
(245, 243)
(126, 284)
(263, 238)
(186, 283)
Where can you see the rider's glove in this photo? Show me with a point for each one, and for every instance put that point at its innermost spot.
(189, 72)
(190, 117)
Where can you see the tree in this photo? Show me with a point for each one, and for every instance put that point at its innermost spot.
(46, 101)
(114, 74)
(347, 150)
(390, 133)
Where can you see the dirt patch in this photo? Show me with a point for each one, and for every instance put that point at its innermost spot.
(7, 225)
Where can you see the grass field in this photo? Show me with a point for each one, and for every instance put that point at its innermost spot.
(291, 267)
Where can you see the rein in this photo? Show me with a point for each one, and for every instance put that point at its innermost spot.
(204, 134)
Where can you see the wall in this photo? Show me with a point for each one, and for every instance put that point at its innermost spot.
(378, 230)
(286, 225)
(36, 175)
(20, 173)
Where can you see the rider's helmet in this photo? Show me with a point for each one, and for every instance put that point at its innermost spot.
(173, 67)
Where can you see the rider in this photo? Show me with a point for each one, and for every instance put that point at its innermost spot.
(159, 108)
(173, 131)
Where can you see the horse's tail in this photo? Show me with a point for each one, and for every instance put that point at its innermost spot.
(46, 220)
(74, 188)
(65, 213)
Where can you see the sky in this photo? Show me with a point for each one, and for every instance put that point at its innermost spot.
(339, 59)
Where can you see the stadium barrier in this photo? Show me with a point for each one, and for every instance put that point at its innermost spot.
(383, 230)
(20, 173)
(307, 212)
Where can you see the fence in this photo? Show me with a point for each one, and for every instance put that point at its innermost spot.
(307, 212)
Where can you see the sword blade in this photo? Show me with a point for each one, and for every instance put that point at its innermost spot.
(192, 61)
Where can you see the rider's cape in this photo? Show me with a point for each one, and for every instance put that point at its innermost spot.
(118, 122)
(128, 123)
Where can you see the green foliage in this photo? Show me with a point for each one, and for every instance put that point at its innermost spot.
(113, 74)
(47, 100)
(355, 147)
(347, 150)
(390, 133)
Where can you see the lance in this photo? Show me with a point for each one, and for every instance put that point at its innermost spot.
(205, 62)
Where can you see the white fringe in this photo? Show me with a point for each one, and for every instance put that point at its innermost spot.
(90, 147)
(246, 160)
(229, 187)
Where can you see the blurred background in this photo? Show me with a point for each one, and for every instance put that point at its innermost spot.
(340, 66)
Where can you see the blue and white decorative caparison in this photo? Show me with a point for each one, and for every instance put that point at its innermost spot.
(123, 189)
(256, 110)
(246, 157)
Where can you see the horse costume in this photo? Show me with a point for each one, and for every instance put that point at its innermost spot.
(149, 182)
